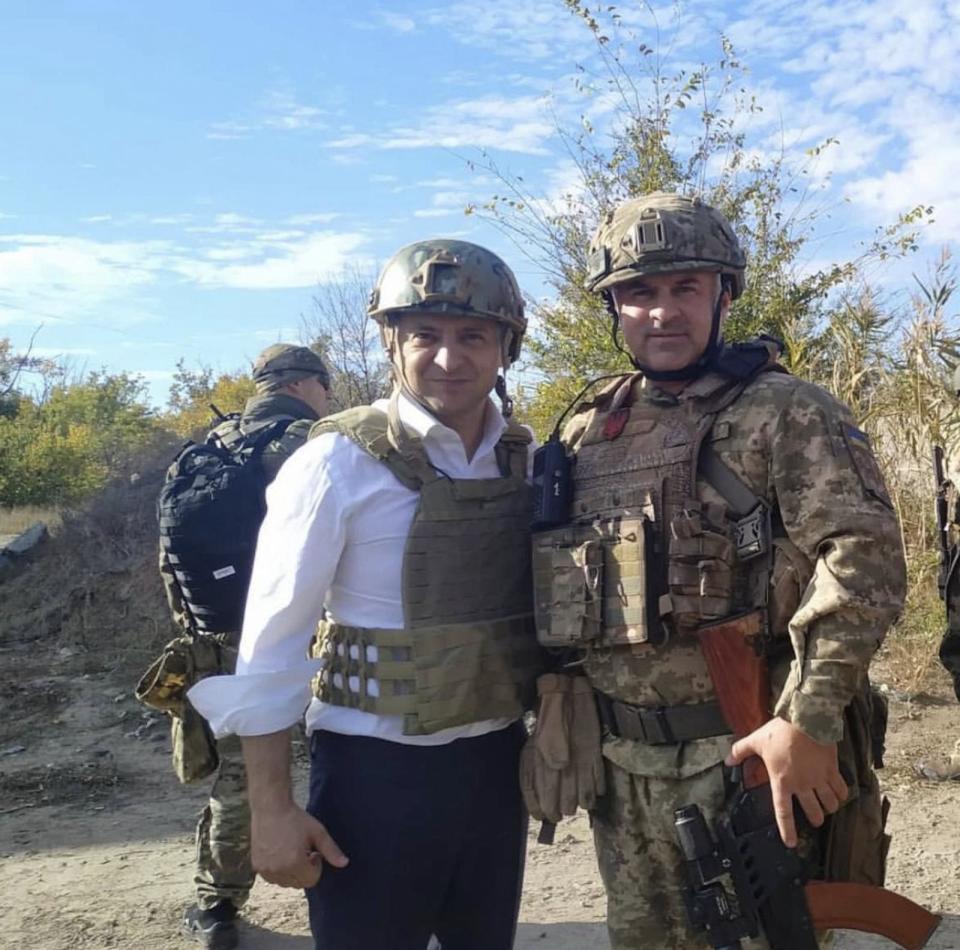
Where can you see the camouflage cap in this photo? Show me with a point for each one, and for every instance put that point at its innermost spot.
(451, 276)
(283, 363)
(661, 233)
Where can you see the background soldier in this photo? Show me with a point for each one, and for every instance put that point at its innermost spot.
(292, 384)
(708, 484)
(407, 524)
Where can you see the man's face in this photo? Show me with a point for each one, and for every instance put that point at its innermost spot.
(449, 362)
(312, 392)
(666, 318)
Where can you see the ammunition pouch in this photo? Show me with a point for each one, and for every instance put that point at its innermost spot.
(700, 561)
(855, 842)
(184, 662)
(591, 583)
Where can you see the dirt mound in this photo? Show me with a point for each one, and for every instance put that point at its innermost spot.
(94, 589)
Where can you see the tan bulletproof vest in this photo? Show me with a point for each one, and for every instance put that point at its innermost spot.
(467, 650)
(642, 562)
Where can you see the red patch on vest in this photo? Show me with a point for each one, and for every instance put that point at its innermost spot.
(615, 423)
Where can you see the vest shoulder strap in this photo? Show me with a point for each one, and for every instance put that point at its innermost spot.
(512, 450)
(368, 429)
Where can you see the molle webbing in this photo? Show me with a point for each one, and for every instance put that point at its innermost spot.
(434, 677)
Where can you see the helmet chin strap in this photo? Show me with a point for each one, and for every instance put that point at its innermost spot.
(691, 370)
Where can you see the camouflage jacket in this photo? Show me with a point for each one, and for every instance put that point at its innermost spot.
(797, 448)
(270, 407)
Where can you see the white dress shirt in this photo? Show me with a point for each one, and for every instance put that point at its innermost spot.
(333, 539)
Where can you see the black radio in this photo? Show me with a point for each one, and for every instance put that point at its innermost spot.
(551, 485)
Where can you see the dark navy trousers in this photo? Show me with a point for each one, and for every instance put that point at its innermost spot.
(435, 835)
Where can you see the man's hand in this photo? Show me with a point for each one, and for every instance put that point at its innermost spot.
(797, 766)
(288, 847)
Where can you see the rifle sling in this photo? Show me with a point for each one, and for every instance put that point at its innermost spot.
(660, 725)
(840, 905)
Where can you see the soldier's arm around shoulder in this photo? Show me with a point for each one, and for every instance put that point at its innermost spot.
(834, 506)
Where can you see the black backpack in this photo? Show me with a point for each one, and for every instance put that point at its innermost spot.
(210, 509)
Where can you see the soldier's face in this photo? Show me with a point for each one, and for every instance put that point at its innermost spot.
(313, 393)
(449, 362)
(666, 318)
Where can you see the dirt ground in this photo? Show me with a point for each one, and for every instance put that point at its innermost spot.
(96, 834)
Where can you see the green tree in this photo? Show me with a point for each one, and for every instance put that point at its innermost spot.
(59, 447)
(685, 131)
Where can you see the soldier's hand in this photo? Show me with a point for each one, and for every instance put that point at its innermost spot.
(798, 768)
(288, 847)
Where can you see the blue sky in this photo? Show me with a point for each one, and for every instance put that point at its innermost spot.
(175, 179)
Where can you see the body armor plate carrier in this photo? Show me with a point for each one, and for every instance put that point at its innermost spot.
(467, 650)
(642, 560)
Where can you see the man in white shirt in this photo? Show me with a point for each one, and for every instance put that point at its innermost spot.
(404, 525)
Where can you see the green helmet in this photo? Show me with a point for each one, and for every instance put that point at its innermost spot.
(283, 363)
(662, 233)
(448, 276)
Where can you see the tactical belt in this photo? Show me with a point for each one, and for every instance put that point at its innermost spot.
(660, 725)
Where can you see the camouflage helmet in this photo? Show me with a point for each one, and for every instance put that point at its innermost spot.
(455, 277)
(663, 233)
(283, 363)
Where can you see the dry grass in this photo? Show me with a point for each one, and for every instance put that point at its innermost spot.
(96, 588)
(15, 520)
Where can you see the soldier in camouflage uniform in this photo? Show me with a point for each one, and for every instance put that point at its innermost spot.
(713, 483)
(292, 383)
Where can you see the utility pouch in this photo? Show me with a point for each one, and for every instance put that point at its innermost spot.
(184, 662)
(194, 749)
(568, 586)
(700, 560)
(855, 840)
(630, 590)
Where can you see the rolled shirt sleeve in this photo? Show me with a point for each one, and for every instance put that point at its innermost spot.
(298, 549)
(835, 508)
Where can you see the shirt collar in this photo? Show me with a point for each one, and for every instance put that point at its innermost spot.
(423, 423)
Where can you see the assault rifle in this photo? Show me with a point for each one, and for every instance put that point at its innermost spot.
(771, 890)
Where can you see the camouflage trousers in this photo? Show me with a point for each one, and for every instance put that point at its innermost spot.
(640, 859)
(223, 869)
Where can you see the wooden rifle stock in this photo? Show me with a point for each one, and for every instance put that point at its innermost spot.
(741, 680)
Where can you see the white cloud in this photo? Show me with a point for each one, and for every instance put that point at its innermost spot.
(58, 277)
(97, 219)
(524, 29)
(519, 124)
(278, 110)
(299, 263)
(171, 219)
(229, 130)
(313, 217)
(436, 212)
(396, 21)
